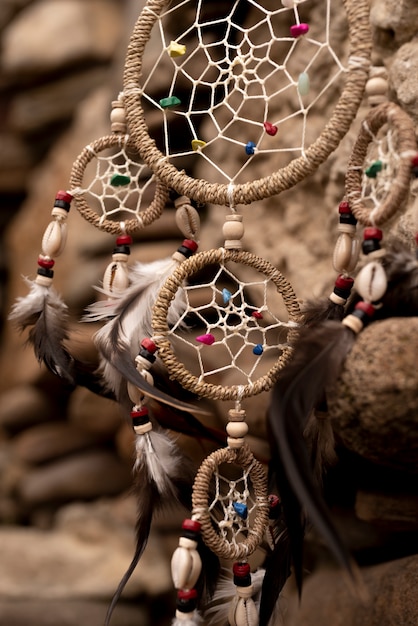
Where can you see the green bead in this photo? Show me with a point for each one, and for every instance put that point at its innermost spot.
(304, 84)
(167, 103)
(119, 180)
(374, 169)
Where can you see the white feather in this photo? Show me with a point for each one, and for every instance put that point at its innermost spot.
(161, 456)
(26, 308)
(132, 311)
(217, 610)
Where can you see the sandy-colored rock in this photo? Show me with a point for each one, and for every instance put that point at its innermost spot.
(74, 30)
(389, 592)
(24, 406)
(403, 75)
(374, 408)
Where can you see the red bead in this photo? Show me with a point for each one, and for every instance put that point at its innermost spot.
(241, 569)
(414, 161)
(187, 594)
(344, 282)
(344, 207)
(149, 345)
(64, 196)
(124, 240)
(46, 263)
(274, 501)
(270, 129)
(257, 315)
(366, 307)
(140, 413)
(372, 233)
(190, 244)
(191, 524)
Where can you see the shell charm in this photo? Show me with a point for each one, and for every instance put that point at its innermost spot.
(346, 253)
(243, 611)
(54, 239)
(371, 282)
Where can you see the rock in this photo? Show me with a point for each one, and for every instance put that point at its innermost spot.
(84, 563)
(394, 23)
(84, 476)
(403, 76)
(41, 107)
(374, 406)
(24, 406)
(46, 612)
(92, 414)
(15, 163)
(75, 30)
(388, 591)
(46, 442)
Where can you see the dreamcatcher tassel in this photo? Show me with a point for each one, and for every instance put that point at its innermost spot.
(224, 605)
(43, 308)
(133, 312)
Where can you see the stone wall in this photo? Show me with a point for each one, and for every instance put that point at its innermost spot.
(65, 455)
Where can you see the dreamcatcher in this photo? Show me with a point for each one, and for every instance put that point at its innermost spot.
(382, 166)
(246, 88)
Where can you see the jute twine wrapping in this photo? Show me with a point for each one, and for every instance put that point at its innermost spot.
(391, 114)
(357, 12)
(175, 368)
(146, 217)
(243, 458)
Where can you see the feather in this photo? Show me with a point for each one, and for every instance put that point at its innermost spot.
(217, 610)
(320, 310)
(277, 571)
(158, 483)
(192, 619)
(121, 336)
(47, 314)
(317, 360)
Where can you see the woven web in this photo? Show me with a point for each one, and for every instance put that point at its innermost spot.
(233, 506)
(240, 70)
(380, 168)
(241, 320)
(115, 185)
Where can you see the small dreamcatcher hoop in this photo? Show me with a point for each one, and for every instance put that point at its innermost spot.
(162, 332)
(238, 67)
(379, 170)
(118, 178)
(235, 538)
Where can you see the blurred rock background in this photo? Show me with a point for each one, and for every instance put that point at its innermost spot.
(66, 512)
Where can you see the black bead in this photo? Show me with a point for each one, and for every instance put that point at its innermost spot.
(45, 271)
(122, 250)
(61, 204)
(186, 606)
(185, 251)
(370, 245)
(146, 354)
(342, 293)
(242, 581)
(362, 315)
(347, 218)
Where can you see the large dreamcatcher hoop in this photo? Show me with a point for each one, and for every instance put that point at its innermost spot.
(233, 69)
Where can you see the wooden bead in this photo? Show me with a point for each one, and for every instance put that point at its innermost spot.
(235, 442)
(376, 90)
(233, 231)
(143, 428)
(237, 429)
(354, 323)
(236, 415)
(43, 281)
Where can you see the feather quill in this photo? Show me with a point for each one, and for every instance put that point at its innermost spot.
(46, 313)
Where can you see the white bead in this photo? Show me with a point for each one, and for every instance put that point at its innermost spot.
(371, 282)
(142, 365)
(235, 442)
(44, 281)
(186, 566)
(237, 429)
(54, 239)
(143, 428)
(350, 229)
(354, 323)
(185, 542)
(57, 211)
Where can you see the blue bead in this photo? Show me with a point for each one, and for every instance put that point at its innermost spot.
(249, 147)
(241, 509)
(227, 295)
(258, 349)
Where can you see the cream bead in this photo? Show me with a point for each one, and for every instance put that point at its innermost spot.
(237, 429)
(54, 239)
(186, 566)
(143, 428)
(233, 231)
